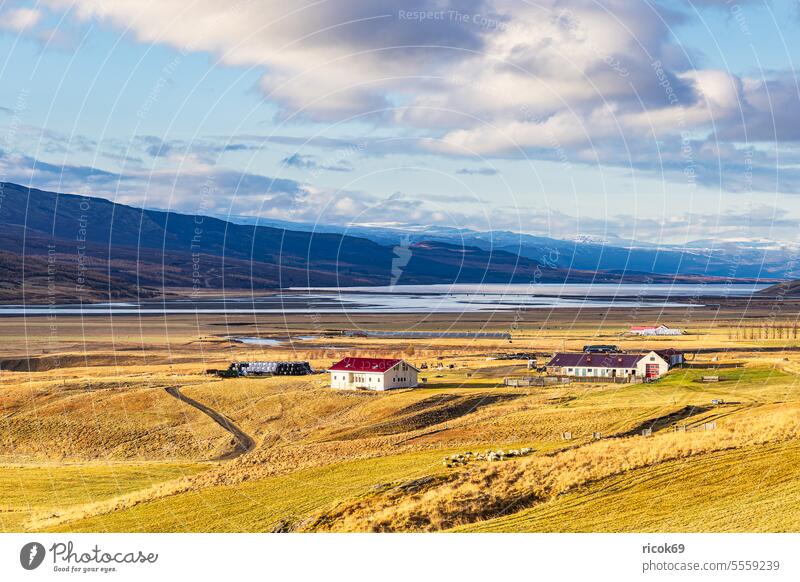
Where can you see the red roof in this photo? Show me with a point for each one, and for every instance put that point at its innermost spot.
(643, 327)
(365, 364)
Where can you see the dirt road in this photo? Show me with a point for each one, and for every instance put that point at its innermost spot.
(244, 442)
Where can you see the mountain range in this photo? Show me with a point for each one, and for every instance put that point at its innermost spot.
(733, 259)
(65, 247)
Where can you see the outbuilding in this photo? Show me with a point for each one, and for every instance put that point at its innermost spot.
(659, 329)
(610, 366)
(373, 374)
(672, 356)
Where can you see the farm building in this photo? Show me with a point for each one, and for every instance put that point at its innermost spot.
(373, 374)
(672, 357)
(271, 368)
(631, 366)
(601, 349)
(659, 329)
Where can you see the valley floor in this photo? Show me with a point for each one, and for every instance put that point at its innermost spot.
(113, 425)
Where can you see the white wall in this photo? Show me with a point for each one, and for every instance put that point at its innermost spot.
(583, 371)
(401, 375)
(651, 358)
(353, 380)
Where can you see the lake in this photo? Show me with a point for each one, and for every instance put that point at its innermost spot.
(413, 299)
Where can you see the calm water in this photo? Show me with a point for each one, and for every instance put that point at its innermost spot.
(270, 341)
(415, 299)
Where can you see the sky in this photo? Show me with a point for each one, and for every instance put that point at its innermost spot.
(663, 122)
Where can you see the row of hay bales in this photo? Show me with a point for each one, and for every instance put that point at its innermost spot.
(491, 456)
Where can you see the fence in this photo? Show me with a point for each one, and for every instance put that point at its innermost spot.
(712, 365)
(535, 381)
(700, 427)
(604, 379)
(555, 380)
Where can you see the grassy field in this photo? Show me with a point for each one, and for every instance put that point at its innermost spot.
(47, 490)
(270, 504)
(753, 489)
(90, 440)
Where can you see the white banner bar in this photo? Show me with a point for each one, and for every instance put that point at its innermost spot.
(400, 557)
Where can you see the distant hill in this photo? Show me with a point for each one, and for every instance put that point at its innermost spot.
(67, 248)
(784, 289)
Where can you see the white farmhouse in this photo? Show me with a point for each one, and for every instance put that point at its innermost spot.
(373, 374)
(610, 365)
(659, 329)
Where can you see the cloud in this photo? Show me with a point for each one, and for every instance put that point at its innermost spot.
(20, 19)
(311, 163)
(327, 59)
(28, 170)
(155, 147)
(190, 185)
(186, 184)
(587, 80)
(209, 149)
(330, 60)
(478, 171)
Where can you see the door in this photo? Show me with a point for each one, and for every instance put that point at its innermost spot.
(651, 371)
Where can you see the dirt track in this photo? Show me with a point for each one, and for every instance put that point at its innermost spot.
(244, 442)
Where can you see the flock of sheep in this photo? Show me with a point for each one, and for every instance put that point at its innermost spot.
(491, 456)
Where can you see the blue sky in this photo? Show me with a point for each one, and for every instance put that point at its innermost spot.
(659, 121)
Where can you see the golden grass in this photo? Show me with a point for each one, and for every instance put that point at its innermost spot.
(30, 491)
(483, 492)
(752, 489)
(330, 460)
(270, 504)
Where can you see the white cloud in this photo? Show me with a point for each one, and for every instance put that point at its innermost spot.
(20, 19)
(584, 81)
